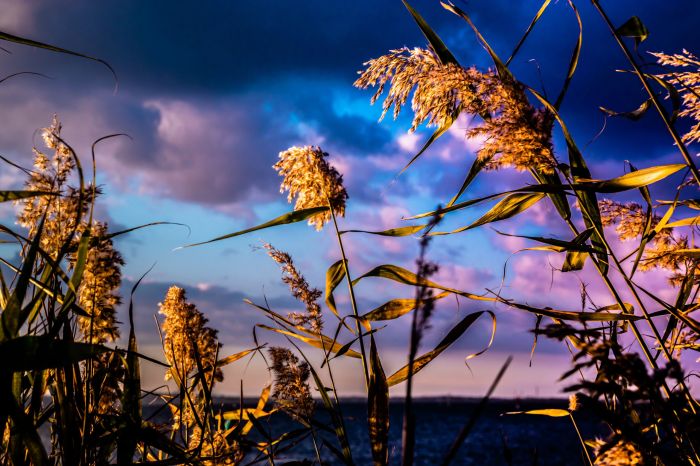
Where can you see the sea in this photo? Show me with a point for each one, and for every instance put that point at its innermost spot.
(497, 438)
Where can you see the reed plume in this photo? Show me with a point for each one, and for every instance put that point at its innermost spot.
(514, 132)
(291, 390)
(310, 179)
(311, 319)
(688, 85)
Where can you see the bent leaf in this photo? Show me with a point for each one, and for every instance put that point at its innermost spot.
(632, 180)
(401, 231)
(31, 352)
(378, 407)
(321, 341)
(401, 275)
(508, 207)
(396, 308)
(16, 195)
(634, 115)
(423, 360)
(552, 412)
(434, 40)
(290, 217)
(635, 29)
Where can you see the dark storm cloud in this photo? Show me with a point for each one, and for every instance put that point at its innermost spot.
(211, 94)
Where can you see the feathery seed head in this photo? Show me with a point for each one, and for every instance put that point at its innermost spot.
(312, 181)
(660, 251)
(311, 319)
(291, 390)
(97, 294)
(185, 326)
(621, 454)
(515, 133)
(688, 85)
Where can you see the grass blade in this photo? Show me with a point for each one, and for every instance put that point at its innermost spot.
(289, 217)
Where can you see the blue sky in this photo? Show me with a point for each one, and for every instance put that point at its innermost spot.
(210, 95)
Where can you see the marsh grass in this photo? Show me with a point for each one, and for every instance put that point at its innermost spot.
(64, 372)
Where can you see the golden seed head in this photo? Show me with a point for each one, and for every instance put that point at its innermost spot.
(291, 390)
(311, 319)
(312, 181)
(573, 403)
(183, 328)
(661, 250)
(98, 290)
(688, 85)
(515, 134)
(621, 454)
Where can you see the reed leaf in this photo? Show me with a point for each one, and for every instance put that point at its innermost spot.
(508, 207)
(289, 217)
(17, 195)
(36, 352)
(395, 308)
(395, 232)
(401, 275)
(424, 359)
(320, 341)
(551, 412)
(378, 408)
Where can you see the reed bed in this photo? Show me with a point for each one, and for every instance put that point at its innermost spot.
(70, 394)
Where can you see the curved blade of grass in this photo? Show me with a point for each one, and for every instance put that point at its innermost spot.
(540, 188)
(551, 412)
(634, 115)
(11, 319)
(424, 359)
(575, 260)
(573, 63)
(558, 195)
(334, 412)
(235, 357)
(16, 195)
(334, 275)
(323, 342)
(24, 428)
(32, 352)
(648, 226)
(587, 200)
(433, 137)
(236, 415)
(131, 395)
(633, 180)
(635, 29)
(395, 308)
(573, 315)
(289, 217)
(395, 232)
(145, 225)
(685, 222)
(378, 408)
(503, 71)
(508, 207)
(478, 165)
(529, 29)
(466, 429)
(434, 40)
(401, 275)
(577, 244)
(41, 45)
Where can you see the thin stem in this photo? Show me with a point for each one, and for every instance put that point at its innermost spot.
(580, 437)
(351, 290)
(654, 98)
(408, 430)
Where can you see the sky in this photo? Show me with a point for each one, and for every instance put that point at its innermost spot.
(209, 95)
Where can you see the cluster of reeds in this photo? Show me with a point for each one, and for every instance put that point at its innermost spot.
(64, 376)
